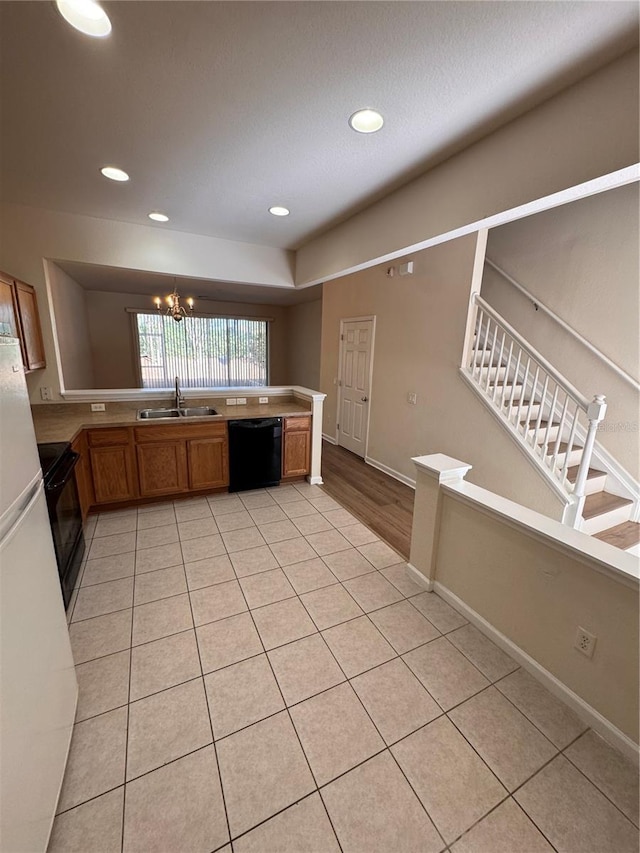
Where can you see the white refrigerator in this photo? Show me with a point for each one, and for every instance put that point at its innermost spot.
(38, 687)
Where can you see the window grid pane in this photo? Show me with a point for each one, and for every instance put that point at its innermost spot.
(205, 352)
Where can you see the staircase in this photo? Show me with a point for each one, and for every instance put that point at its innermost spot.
(554, 424)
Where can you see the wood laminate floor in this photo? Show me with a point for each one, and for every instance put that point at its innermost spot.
(379, 501)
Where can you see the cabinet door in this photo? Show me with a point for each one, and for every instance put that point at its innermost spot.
(30, 326)
(83, 475)
(112, 472)
(8, 322)
(208, 463)
(296, 452)
(162, 467)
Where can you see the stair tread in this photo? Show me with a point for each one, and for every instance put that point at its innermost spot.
(601, 502)
(624, 535)
(543, 424)
(564, 445)
(592, 473)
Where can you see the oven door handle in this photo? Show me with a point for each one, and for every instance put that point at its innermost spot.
(64, 475)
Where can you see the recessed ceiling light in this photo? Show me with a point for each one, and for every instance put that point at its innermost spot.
(366, 121)
(114, 174)
(279, 211)
(86, 16)
(158, 217)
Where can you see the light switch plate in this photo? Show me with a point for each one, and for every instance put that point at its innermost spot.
(241, 401)
(98, 407)
(231, 401)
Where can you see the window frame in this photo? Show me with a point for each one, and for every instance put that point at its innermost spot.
(136, 349)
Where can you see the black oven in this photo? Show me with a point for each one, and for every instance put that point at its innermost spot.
(58, 463)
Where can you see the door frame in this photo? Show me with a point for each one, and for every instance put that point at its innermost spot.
(344, 320)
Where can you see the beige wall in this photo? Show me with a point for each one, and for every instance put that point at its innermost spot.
(28, 236)
(581, 260)
(420, 326)
(70, 313)
(588, 130)
(112, 341)
(537, 597)
(303, 350)
(563, 142)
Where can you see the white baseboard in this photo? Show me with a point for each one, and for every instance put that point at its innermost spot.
(418, 578)
(330, 438)
(315, 481)
(390, 471)
(582, 709)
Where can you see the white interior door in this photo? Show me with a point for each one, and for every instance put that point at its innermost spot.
(356, 352)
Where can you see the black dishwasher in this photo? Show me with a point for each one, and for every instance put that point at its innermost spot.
(255, 453)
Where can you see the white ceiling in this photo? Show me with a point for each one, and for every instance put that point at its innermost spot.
(119, 280)
(220, 109)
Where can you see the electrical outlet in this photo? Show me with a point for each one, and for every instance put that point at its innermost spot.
(231, 401)
(98, 407)
(412, 398)
(263, 399)
(585, 642)
(241, 401)
(46, 394)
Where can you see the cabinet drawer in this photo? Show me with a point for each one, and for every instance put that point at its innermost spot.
(108, 437)
(297, 423)
(176, 431)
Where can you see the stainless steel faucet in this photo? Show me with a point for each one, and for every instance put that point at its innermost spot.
(179, 394)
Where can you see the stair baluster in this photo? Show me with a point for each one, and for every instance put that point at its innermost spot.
(567, 412)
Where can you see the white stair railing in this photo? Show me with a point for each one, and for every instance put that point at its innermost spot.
(542, 409)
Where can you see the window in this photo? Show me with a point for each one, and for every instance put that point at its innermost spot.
(205, 352)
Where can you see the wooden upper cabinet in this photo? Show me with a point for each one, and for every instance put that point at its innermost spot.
(33, 346)
(19, 318)
(8, 317)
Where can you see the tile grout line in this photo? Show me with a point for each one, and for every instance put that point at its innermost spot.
(286, 708)
(442, 634)
(592, 781)
(126, 747)
(387, 747)
(206, 699)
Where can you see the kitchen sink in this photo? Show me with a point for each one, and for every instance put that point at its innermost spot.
(189, 412)
(157, 414)
(197, 411)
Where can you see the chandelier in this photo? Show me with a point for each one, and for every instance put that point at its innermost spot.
(174, 309)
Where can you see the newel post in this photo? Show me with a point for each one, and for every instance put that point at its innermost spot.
(431, 471)
(596, 410)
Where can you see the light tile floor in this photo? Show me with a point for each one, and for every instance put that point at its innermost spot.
(257, 673)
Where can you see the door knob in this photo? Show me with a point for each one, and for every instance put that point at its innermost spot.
(363, 399)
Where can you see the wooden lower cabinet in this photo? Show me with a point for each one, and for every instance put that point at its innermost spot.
(208, 462)
(162, 468)
(112, 468)
(296, 447)
(127, 463)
